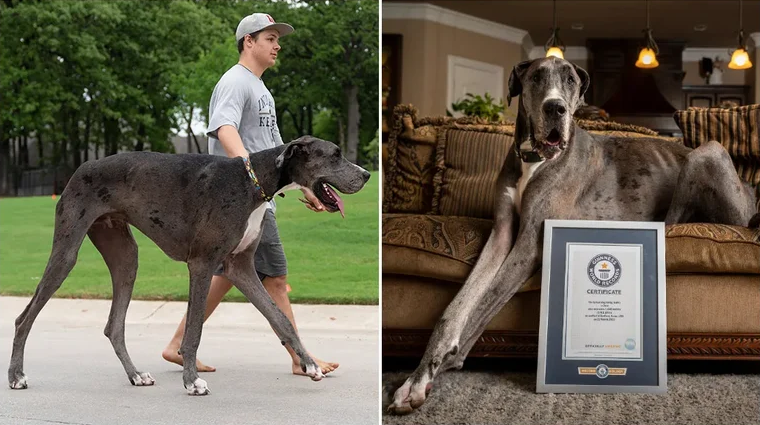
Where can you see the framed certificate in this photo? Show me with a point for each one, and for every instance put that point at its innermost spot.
(603, 324)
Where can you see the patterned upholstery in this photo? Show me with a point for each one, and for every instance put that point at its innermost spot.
(737, 129)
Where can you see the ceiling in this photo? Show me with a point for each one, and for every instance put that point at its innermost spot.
(669, 19)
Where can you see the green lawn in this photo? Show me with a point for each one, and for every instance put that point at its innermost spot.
(330, 260)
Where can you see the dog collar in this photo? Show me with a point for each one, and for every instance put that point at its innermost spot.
(255, 181)
(527, 155)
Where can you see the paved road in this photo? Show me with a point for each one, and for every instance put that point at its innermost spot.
(75, 377)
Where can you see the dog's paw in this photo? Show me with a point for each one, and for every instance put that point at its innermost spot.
(18, 382)
(198, 387)
(142, 379)
(310, 368)
(409, 396)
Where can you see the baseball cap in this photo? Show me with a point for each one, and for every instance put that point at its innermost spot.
(258, 22)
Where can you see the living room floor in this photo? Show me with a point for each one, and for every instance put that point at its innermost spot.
(491, 391)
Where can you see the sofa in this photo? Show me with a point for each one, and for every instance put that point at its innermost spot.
(439, 176)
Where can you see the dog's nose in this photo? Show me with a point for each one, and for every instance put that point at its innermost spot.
(365, 175)
(554, 107)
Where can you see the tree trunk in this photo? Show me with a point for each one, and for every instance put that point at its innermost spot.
(190, 131)
(87, 128)
(25, 151)
(352, 141)
(197, 145)
(341, 133)
(76, 144)
(40, 151)
(310, 110)
(111, 136)
(5, 166)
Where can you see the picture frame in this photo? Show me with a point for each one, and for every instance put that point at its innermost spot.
(603, 317)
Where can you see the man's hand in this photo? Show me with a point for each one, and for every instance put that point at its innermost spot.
(311, 201)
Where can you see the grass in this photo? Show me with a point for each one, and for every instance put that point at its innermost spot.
(330, 260)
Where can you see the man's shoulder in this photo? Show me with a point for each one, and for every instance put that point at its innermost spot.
(236, 77)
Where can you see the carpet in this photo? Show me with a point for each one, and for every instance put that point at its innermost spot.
(509, 397)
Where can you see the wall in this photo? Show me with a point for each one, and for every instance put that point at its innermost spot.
(730, 76)
(425, 51)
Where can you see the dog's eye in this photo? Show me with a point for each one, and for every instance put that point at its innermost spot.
(570, 80)
(536, 78)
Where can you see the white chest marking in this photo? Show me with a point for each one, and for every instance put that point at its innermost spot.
(528, 169)
(253, 228)
(291, 186)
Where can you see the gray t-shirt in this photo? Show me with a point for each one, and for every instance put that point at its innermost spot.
(241, 99)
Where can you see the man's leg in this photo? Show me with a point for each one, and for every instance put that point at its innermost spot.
(272, 268)
(277, 287)
(219, 287)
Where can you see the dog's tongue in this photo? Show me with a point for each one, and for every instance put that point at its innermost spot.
(553, 138)
(337, 199)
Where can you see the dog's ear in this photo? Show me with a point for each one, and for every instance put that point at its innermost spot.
(585, 80)
(292, 148)
(515, 83)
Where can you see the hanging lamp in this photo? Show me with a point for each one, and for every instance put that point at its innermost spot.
(554, 46)
(740, 57)
(648, 54)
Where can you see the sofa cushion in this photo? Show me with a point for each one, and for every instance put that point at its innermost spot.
(468, 161)
(447, 247)
(737, 129)
(722, 303)
(712, 248)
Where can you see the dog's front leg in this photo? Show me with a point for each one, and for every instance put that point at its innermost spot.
(241, 272)
(493, 282)
(201, 270)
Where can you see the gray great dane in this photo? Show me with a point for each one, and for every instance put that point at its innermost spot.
(559, 171)
(200, 209)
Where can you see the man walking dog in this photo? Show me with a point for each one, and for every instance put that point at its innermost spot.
(242, 120)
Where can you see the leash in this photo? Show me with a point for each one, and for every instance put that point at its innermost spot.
(256, 184)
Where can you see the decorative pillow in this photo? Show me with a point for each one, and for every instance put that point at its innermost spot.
(411, 155)
(737, 129)
(468, 161)
(411, 163)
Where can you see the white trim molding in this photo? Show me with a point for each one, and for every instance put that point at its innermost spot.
(429, 12)
(572, 53)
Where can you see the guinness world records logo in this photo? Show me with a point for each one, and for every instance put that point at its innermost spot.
(604, 270)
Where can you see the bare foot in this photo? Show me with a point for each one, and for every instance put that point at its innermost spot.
(172, 355)
(326, 367)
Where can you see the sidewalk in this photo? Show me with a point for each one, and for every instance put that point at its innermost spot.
(75, 377)
(245, 315)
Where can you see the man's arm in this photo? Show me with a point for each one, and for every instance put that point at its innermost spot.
(231, 141)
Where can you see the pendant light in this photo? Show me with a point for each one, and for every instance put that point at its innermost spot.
(740, 57)
(554, 46)
(648, 54)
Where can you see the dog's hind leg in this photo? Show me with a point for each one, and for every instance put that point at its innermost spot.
(116, 244)
(709, 190)
(67, 238)
(240, 270)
